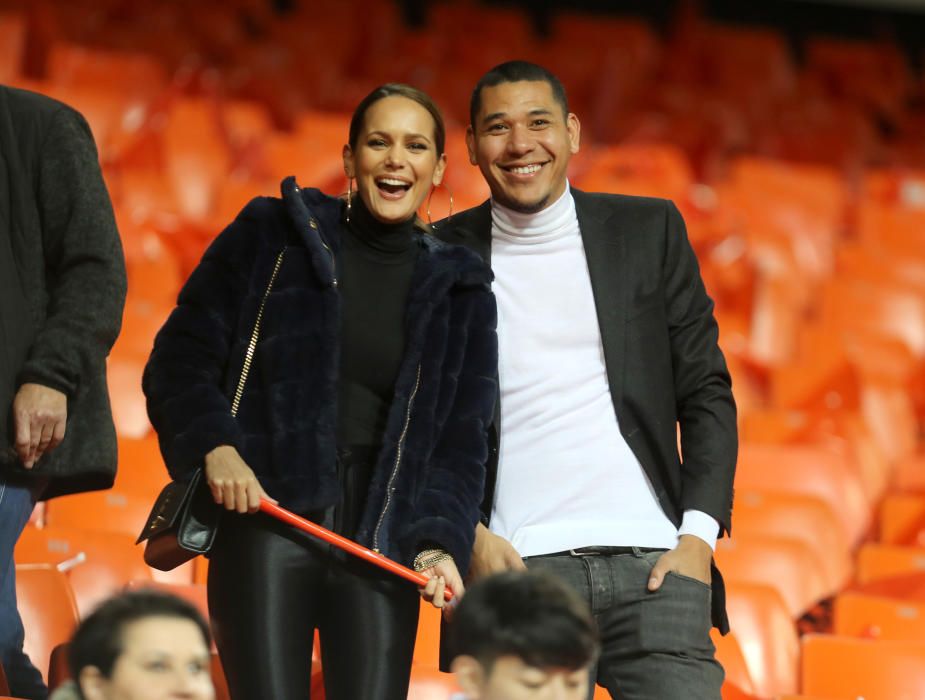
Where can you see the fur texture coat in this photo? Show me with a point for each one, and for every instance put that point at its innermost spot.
(430, 472)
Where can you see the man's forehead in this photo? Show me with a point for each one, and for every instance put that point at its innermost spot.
(519, 98)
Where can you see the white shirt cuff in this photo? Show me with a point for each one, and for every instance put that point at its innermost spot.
(699, 524)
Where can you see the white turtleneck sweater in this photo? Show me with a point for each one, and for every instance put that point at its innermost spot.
(566, 477)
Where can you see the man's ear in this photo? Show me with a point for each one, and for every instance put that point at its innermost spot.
(573, 126)
(470, 675)
(92, 683)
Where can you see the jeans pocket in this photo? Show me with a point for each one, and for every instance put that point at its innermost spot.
(675, 619)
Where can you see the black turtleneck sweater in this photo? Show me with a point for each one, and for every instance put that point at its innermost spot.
(376, 264)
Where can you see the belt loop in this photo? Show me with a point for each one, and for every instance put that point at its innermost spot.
(637, 552)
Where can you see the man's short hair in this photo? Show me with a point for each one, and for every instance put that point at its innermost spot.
(515, 72)
(530, 615)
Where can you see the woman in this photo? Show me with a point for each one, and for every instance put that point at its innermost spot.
(142, 645)
(365, 408)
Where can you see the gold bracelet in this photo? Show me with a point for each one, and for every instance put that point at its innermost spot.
(430, 557)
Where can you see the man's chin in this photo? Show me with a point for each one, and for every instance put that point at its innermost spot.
(524, 206)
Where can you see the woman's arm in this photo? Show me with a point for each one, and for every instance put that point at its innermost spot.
(183, 380)
(448, 507)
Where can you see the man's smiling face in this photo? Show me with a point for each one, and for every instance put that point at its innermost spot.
(522, 142)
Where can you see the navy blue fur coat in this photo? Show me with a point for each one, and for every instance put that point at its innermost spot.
(286, 425)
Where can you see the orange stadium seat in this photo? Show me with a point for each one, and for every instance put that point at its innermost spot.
(48, 609)
(767, 636)
(902, 520)
(909, 474)
(809, 471)
(141, 469)
(197, 155)
(12, 43)
(788, 564)
(846, 667)
(874, 617)
(806, 518)
(129, 410)
(101, 511)
(96, 563)
(880, 561)
(120, 71)
(729, 654)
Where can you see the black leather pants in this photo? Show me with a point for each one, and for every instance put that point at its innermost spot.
(270, 587)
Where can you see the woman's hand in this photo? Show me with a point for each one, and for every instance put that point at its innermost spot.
(232, 482)
(441, 575)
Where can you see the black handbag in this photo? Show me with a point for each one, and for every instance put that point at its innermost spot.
(184, 520)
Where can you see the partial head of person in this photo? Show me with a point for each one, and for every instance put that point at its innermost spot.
(522, 135)
(395, 151)
(522, 635)
(142, 645)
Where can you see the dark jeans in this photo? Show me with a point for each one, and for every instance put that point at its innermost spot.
(655, 646)
(16, 504)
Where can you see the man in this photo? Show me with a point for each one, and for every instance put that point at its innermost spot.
(62, 288)
(523, 636)
(607, 345)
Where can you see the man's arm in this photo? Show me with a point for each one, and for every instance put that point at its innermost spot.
(85, 283)
(705, 407)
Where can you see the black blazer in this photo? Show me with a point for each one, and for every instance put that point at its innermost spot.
(664, 365)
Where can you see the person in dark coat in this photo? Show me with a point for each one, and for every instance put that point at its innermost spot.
(62, 289)
(328, 354)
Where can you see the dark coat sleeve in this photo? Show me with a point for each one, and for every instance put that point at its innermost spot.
(703, 389)
(448, 509)
(183, 380)
(85, 268)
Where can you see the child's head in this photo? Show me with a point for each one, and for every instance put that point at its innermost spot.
(520, 636)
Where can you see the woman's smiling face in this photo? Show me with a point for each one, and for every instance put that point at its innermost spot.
(395, 161)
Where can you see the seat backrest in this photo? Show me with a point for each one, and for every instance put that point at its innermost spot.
(97, 563)
(798, 516)
(767, 636)
(902, 519)
(48, 609)
(810, 471)
(853, 668)
(789, 565)
(880, 561)
(729, 654)
(876, 617)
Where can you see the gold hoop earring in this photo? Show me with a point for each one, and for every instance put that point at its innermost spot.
(431, 196)
(349, 197)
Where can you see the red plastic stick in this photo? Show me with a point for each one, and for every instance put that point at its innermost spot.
(348, 546)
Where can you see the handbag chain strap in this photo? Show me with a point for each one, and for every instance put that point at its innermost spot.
(252, 345)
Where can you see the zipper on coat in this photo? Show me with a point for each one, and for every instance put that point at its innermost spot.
(314, 225)
(398, 454)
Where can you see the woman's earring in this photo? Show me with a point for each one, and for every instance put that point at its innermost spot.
(349, 196)
(431, 196)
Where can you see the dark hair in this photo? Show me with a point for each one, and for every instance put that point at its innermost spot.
(515, 72)
(98, 640)
(530, 615)
(398, 90)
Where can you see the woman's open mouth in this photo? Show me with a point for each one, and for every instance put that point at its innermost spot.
(392, 187)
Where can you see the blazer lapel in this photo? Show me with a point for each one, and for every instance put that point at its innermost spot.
(471, 228)
(605, 250)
